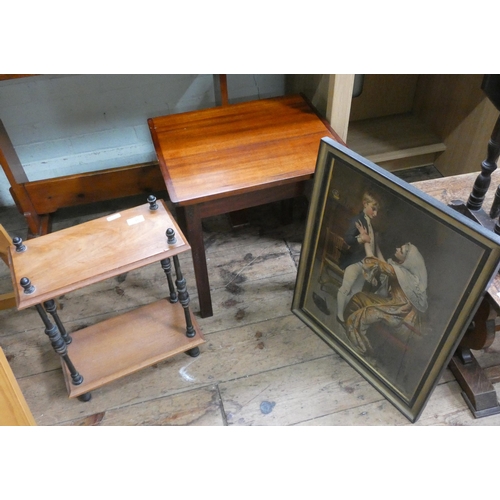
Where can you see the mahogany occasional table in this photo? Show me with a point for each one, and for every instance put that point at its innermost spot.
(229, 158)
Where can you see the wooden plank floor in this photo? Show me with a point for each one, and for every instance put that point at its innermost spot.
(259, 366)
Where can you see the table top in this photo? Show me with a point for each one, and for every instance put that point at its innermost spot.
(459, 187)
(72, 258)
(230, 150)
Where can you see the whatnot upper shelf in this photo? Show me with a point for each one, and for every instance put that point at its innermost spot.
(78, 256)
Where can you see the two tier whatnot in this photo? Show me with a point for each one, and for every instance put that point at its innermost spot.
(47, 267)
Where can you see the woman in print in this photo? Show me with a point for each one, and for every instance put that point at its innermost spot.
(401, 307)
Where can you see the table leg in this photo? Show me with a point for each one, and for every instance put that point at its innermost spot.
(287, 211)
(190, 222)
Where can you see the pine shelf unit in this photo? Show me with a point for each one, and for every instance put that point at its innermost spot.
(395, 141)
(67, 260)
(403, 121)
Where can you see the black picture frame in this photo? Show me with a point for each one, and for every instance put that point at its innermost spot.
(402, 327)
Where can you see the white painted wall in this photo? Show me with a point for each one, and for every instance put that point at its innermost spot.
(67, 124)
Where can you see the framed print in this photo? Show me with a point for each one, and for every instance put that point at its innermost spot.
(389, 277)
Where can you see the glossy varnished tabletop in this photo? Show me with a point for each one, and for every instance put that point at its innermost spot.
(233, 157)
(224, 151)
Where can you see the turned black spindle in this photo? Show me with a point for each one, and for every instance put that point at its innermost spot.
(59, 346)
(167, 268)
(18, 243)
(152, 202)
(183, 295)
(50, 307)
(488, 166)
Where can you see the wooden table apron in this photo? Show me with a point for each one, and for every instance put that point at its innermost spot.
(190, 218)
(229, 158)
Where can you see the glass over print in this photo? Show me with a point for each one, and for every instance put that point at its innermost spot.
(389, 277)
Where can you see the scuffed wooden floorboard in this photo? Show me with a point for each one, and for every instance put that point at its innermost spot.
(260, 365)
(199, 407)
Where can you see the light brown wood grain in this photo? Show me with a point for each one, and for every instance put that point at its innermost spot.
(8, 299)
(456, 109)
(384, 95)
(128, 343)
(97, 250)
(49, 195)
(393, 137)
(13, 407)
(66, 260)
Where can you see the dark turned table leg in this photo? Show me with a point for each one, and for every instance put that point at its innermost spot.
(59, 345)
(477, 389)
(190, 222)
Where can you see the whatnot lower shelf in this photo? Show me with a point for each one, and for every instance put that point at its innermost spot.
(125, 344)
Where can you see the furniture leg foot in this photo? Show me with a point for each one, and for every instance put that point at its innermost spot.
(477, 388)
(85, 397)
(493, 410)
(478, 391)
(194, 352)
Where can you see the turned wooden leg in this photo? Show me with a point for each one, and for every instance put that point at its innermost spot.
(59, 343)
(50, 307)
(488, 166)
(60, 347)
(167, 268)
